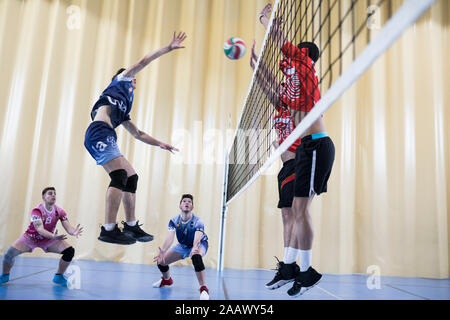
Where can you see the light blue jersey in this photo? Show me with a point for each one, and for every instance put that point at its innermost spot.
(185, 231)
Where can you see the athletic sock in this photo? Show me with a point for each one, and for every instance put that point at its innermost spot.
(109, 226)
(131, 223)
(305, 259)
(285, 254)
(291, 255)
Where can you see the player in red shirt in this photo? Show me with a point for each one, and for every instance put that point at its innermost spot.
(314, 157)
(41, 233)
(284, 125)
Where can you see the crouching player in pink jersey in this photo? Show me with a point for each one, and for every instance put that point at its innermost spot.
(41, 234)
(192, 242)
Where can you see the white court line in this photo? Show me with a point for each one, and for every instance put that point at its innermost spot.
(328, 292)
(29, 275)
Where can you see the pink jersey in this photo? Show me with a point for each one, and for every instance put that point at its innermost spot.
(49, 220)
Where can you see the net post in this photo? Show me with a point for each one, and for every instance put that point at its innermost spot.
(223, 216)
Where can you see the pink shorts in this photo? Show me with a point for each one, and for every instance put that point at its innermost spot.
(43, 244)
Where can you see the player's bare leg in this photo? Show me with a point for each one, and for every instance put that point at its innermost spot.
(288, 224)
(196, 255)
(303, 228)
(17, 248)
(113, 195)
(60, 247)
(170, 256)
(110, 232)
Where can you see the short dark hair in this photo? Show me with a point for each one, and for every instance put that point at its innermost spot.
(187, 195)
(313, 50)
(118, 72)
(46, 189)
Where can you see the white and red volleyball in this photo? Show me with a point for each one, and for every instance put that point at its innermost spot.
(234, 48)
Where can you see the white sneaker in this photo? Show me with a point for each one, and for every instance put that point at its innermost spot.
(204, 294)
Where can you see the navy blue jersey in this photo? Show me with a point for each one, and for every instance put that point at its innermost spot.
(119, 95)
(186, 230)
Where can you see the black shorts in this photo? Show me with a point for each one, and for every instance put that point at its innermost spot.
(313, 163)
(286, 179)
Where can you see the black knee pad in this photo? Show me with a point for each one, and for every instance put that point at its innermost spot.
(163, 268)
(197, 261)
(131, 185)
(67, 254)
(118, 179)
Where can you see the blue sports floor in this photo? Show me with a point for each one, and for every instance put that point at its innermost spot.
(31, 279)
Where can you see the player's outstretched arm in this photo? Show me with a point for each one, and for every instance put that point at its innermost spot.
(73, 231)
(39, 227)
(174, 44)
(265, 78)
(196, 245)
(276, 32)
(264, 15)
(159, 258)
(142, 136)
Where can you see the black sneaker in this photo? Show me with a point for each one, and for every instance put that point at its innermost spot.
(136, 232)
(304, 281)
(115, 236)
(285, 273)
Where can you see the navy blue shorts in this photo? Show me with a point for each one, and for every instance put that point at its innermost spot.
(100, 140)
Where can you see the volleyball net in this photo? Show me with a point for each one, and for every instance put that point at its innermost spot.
(350, 36)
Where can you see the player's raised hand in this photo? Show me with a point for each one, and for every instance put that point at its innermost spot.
(168, 147)
(78, 230)
(177, 40)
(159, 259)
(265, 11)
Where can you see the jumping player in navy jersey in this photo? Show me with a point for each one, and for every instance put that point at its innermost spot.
(192, 242)
(111, 110)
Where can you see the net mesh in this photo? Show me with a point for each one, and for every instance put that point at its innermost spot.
(341, 29)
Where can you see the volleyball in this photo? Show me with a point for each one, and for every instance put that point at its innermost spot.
(234, 48)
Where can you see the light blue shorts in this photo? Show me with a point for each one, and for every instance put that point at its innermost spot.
(186, 251)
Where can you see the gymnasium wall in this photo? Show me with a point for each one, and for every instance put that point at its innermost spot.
(388, 196)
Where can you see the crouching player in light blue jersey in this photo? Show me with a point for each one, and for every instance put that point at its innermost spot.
(192, 242)
(111, 110)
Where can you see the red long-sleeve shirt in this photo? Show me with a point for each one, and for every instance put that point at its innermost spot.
(302, 84)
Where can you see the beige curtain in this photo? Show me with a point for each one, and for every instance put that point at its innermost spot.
(387, 203)
(387, 206)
